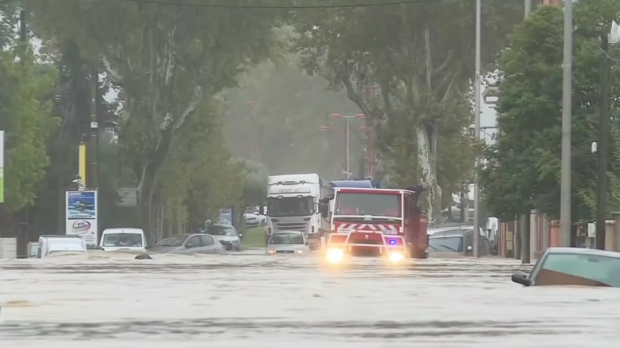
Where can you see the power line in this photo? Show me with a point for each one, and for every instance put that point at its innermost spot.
(280, 7)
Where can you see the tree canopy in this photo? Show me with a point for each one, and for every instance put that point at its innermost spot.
(523, 166)
(419, 59)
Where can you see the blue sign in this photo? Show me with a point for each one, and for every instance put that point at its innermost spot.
(226, 216)
(81, 205)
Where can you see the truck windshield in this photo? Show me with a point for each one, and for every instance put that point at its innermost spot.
(353, 203)
(290, 206)
(122, 239)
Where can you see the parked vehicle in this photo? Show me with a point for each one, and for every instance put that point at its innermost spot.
(288, 242)
(60, 244)
(123, 239)
(573, 266)
(197, 243)
(457, 241)
(254, 219)
(225, 234)
(32, 249)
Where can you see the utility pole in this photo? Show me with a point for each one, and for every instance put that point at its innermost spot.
(477, 131)
(603, 135)
(524, 221)
(92, 179)
(23, 29)
(565, 185)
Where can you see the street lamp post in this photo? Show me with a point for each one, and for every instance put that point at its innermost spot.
(347, 136)
(477, 130)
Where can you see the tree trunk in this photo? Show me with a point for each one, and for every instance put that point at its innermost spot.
(426, 158)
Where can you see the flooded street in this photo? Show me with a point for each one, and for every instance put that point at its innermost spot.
(254, 300)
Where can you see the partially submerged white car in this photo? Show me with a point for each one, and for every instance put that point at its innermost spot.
(60, 244)
(288, 242)
(123, 239)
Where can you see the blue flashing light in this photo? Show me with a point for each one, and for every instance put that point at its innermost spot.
(392, 242)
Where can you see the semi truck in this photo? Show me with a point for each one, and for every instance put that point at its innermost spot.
(292, 205)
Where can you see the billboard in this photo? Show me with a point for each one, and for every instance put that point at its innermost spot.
(81, 215)
(1, 166)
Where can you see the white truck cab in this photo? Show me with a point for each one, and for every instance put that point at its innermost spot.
(123, 239)
(292, 205)
(57, 244)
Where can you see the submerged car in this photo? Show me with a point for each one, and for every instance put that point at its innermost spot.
(197, 243)
(457, 241)
(573, 266)
(288, 242)
(227, 235)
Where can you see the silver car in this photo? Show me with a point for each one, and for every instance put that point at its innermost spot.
(189, 244)
(287, 242)
(227, 236)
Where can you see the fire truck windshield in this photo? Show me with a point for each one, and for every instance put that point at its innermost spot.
(375, 204)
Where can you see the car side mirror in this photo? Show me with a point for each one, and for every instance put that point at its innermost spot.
(240, 235)
(188, 245)
(470, 248)
(521, 278)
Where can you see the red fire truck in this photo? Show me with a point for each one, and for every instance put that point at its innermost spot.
(375, 222)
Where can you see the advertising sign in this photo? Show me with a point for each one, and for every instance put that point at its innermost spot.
(1, 166)
(81, 219)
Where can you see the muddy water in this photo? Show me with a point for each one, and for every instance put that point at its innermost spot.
(260, 301)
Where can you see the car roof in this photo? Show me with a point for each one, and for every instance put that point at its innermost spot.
(123, 230)
(60, 236)
(450, 232)
(583, 251)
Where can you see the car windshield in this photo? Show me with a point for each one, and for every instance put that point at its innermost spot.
(374, 204)
(56, 252)
(596, 268)
(287, 238)
(290, 206)
(453, 244)
(172, 241)
(221, 230)
(122, 240)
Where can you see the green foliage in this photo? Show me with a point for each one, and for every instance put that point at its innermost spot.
(420, 57)
(198, 178)
(255, 181)
(27, 119)
(165, 61)
(523, 166)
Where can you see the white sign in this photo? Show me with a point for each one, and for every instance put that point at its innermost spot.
(81, 215)
(294, 190)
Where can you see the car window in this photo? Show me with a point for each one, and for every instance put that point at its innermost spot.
(171, 241)
(193, 242)
(597, 268)
(207, 240)
(446, 244)
(221, 230)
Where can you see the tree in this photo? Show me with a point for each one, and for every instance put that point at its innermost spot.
(523, 167)
(27, 119)
(166, 58)
(420, 69)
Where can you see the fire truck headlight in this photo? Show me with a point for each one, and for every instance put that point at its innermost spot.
(396, 257)
(334, 255)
